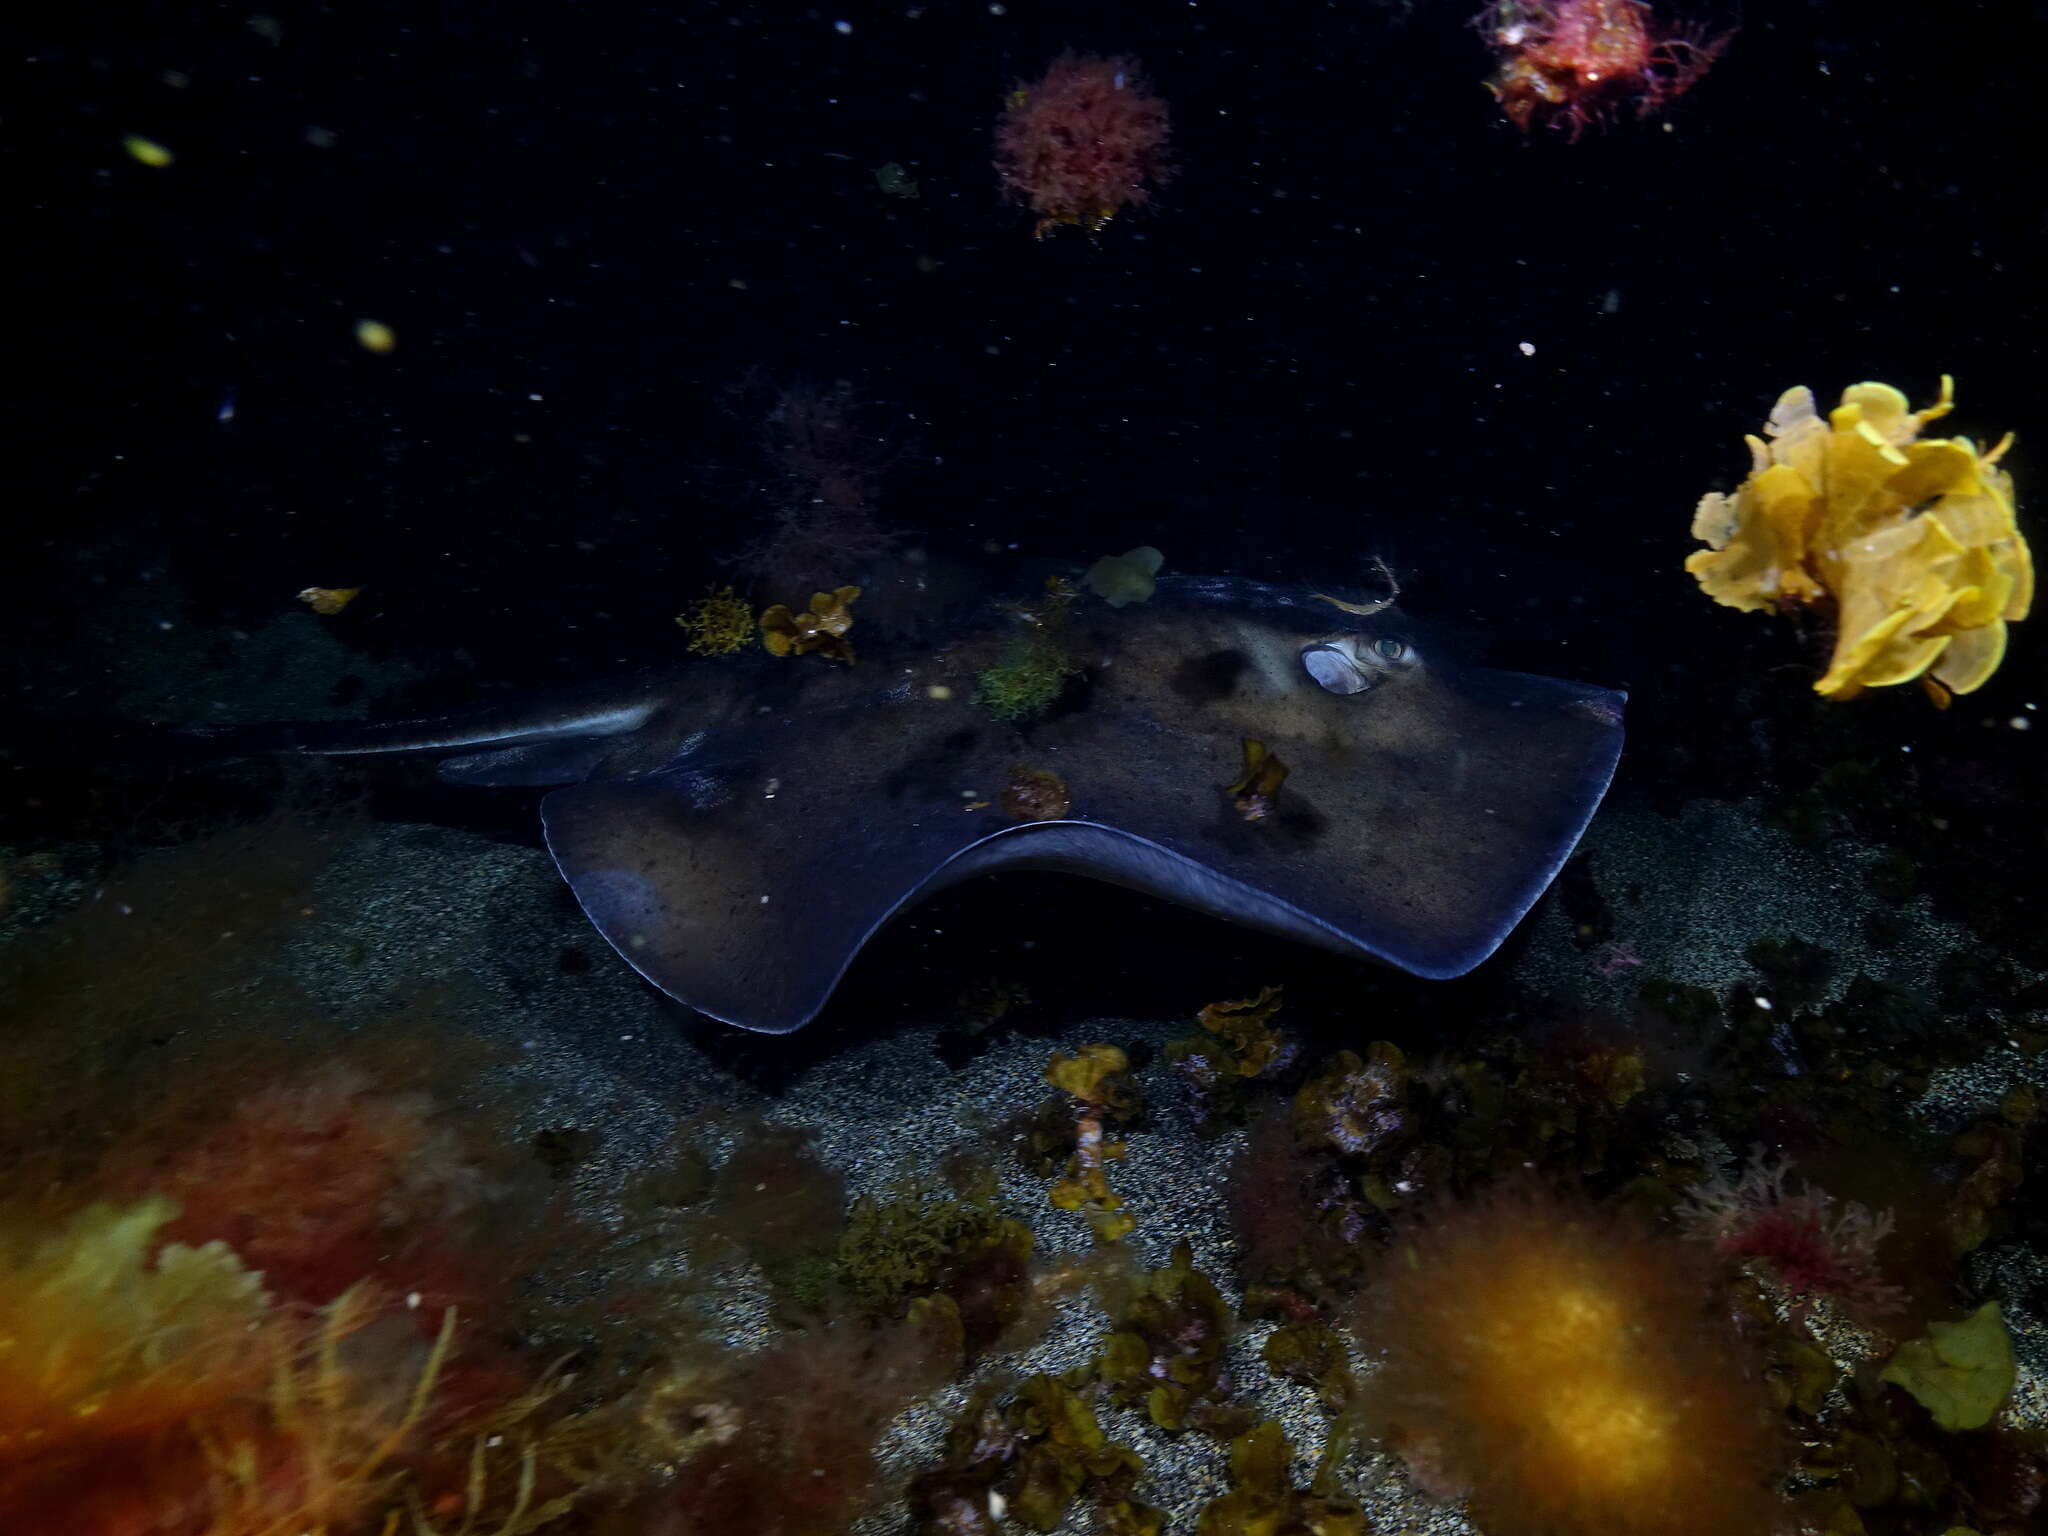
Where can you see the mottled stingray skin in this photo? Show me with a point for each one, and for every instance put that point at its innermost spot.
(738, 828)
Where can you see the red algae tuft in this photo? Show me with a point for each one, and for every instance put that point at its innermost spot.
(1570, 1371)
(1084, 143)
(1808, 1246)
(319, 1180)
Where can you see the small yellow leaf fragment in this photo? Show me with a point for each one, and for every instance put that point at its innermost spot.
(1256, 791)
(147, 152)
(1086, 1072)
(329, 599)
(375, 336)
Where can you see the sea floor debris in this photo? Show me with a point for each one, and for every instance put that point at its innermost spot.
(583, 1071)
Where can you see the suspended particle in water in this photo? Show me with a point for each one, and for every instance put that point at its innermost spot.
(147, 152)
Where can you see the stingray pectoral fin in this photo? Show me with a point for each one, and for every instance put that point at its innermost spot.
(1416, 827)
(1121, 858)
(744, 909)
(740, 926)
(1417, 824)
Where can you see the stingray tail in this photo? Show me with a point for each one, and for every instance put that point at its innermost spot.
(610, 709)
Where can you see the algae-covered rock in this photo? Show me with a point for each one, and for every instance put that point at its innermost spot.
(1067, 1451)
(1247, 1026)
(1354, 1106)
(1264, 1501)
(1166, 1354)
(1960, 1372)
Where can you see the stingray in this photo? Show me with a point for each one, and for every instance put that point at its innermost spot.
(737, 828)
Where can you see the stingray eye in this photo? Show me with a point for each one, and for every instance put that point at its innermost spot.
(1392, 650)
(1336, 670)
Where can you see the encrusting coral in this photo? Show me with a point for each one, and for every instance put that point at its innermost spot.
(1911, 542)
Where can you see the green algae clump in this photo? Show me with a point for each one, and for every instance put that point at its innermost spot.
(920, 1249)
(1959, 1372)
(719, 623)
(1032, 672)
(1026, 682)
(1130, 577)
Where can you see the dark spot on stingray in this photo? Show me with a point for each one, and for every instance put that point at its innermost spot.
(1300, 823)
(1294, 827)
(571, 961)
(1204, 679)
(937, 769)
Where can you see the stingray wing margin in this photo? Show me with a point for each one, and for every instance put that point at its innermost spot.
(660, 886)
(748, 913)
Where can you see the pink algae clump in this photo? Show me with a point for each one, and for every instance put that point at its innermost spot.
(1084, 143)
(1806, 1246)
(1571, 63)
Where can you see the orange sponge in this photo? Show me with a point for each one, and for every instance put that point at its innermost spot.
(1571, 1372)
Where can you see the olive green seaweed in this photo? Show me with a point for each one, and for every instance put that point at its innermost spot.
(1960, 1372)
